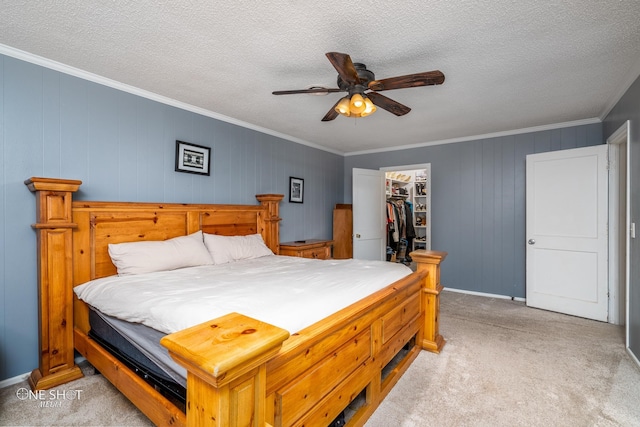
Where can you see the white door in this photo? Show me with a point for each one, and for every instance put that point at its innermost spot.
(369, 217)
(566, 231)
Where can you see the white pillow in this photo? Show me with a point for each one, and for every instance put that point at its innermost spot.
(224, 249)
(149, 256)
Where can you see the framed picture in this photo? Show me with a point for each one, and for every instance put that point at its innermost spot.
(296, 189)
(192, 158)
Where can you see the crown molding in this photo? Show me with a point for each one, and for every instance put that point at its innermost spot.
(483, 136)
(95, 78)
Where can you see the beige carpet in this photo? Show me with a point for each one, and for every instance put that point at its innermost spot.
(504, 365)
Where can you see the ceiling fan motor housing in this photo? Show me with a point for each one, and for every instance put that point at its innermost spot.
(364, 75)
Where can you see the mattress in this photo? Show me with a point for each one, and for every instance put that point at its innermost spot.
(289, 292)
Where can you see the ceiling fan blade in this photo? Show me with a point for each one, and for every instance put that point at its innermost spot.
(344, 66)
(318, 91)
(411, 80)
(331, 114)
(388, 104)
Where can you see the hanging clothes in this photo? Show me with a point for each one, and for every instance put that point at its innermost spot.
(411, 231)
(396, 221)
(400, 230)
(392, 224)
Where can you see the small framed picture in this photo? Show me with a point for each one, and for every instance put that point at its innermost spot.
(296, 189)
(192, 158)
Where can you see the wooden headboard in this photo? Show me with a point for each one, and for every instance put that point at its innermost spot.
(102, 223)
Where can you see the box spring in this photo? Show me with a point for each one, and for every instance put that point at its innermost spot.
(112, 340)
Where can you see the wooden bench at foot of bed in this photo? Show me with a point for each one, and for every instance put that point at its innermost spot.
(240, 371)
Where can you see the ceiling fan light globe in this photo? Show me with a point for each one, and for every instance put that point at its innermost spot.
(370, 108)
(365, 113)
(357, 104)
(343, 107)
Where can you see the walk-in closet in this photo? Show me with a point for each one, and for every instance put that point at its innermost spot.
(408, 207)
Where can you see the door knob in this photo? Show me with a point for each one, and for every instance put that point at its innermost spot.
(531, 242)
(357, 236)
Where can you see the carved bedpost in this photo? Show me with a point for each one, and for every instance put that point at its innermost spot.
(54, 224)
(271, 229)
(430, 261)
(226, 361)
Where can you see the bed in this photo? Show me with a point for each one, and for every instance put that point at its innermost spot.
(240, 370)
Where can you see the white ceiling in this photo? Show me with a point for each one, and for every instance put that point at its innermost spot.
(508, 64)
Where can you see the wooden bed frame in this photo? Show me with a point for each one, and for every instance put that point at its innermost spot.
(241, 371)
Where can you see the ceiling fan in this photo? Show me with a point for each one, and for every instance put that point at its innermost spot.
(363, 88)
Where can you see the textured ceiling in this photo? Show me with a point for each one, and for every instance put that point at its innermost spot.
(508, 64)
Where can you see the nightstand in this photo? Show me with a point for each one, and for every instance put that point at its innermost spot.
(311, 248)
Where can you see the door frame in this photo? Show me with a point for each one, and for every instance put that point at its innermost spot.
(412, 168)
(619, 289)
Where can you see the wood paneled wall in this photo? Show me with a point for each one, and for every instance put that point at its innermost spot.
(122, 147)
(478, 202)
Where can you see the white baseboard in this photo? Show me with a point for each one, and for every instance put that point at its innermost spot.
(15, 380)
(483, 294)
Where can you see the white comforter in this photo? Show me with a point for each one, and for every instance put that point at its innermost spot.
(288, 292)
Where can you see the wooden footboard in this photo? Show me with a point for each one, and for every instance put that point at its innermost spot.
(313, 376)
(240, 371)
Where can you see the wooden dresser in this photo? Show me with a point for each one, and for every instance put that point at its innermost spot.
(311, 248)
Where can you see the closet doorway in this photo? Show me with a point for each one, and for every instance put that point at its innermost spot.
(408, 210)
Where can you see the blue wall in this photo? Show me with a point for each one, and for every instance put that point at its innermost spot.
(628, 108)
(122, 147)
(478, 202)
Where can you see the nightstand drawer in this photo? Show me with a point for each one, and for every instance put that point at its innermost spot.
(313, 248)
(318, 253)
